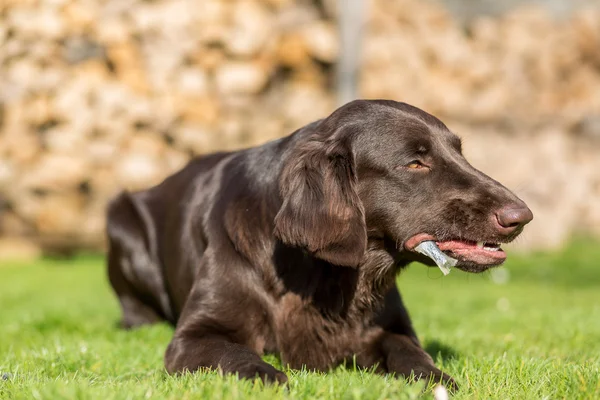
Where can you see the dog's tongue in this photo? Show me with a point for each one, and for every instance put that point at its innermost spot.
(456, 244)
(431, 250)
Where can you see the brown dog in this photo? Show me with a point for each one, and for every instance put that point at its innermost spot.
(293, 247)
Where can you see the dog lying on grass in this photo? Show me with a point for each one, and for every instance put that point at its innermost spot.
(293, 247)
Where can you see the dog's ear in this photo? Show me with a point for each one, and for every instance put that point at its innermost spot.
(321, 210)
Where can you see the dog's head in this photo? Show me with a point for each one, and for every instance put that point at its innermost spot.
(390, 171)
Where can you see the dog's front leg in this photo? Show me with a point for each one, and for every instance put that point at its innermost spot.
(397, 349)
(219, 328)
(188, 353)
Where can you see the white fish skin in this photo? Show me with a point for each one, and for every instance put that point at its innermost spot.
(443, 261)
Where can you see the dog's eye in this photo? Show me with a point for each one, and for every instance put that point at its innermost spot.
(416, 164)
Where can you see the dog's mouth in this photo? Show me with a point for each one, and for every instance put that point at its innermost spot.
(472, 256)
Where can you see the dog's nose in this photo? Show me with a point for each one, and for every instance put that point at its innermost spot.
(512, 218)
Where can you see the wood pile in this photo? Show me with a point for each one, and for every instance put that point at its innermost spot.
(100, 96)
(522, 88)
(524, 67)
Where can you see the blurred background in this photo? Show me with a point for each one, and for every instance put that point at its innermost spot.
(97, 96)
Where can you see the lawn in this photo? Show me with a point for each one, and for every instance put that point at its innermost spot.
(527, 331)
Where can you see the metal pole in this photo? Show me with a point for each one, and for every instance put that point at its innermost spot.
(351, 19)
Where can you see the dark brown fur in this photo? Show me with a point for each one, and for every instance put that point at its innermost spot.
(293, 247)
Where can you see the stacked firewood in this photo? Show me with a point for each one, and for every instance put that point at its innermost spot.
(100, 96)
(523, 88)
(524, 67)
(96, 97)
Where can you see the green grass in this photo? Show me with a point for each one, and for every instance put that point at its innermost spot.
(534, 336)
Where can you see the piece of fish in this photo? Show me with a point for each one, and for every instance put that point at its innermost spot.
(443, 261)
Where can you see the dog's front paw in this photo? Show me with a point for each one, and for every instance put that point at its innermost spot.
(440, 377)
(267, 373)
(421, 369)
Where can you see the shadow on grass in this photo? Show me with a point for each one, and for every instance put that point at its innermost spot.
(438, 350)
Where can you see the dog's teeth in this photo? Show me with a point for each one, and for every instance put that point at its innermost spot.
(490, 248)
(480, 244)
